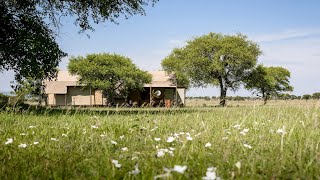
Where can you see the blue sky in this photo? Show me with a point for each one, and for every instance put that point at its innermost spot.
(288, 32)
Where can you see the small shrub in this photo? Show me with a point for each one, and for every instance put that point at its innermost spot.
(3, 100)
(239, 98)
(17, 102)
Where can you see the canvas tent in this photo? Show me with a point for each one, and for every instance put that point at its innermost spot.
(162, 91)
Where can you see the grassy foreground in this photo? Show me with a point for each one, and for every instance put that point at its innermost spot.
(246, 142)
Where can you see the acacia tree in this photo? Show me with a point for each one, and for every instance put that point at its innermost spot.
(27, 45)
(269, 81)
(113, 74)
(316, 95)
(214, 59)
(29, 28)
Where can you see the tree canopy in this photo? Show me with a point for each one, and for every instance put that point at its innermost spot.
(269, 81)
(116, 75)
(214, 59)
(27, 45)
(29, 28)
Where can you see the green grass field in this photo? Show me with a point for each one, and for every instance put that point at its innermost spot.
(278, 141)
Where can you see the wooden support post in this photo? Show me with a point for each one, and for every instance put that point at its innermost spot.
(90, 97)
(150, 96)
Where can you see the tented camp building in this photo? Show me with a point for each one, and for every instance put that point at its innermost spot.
(162, 91)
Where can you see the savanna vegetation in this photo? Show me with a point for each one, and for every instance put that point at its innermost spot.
(278, 141)
(240, 139)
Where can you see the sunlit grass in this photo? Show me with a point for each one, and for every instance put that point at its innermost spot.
(284, 139)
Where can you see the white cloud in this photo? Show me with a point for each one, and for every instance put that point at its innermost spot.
(284, 35)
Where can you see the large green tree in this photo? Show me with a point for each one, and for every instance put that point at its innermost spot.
(29, 28)
(27, 45)
(269, 81)
(116, 75)
(214, 59)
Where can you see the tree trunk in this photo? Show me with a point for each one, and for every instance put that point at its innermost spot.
(223, 93)
(265, 97)
(110, 98)
(265, 100)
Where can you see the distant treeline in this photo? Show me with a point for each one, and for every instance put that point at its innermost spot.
(243, 98)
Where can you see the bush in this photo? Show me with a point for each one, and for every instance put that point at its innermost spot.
(306, 97)
(239, 98)
(3, 100)
(17, 102)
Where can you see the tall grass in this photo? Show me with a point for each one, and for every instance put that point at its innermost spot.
(284, 139)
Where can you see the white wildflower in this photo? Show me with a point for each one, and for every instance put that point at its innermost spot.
(9, 141)
(245, 130)
(22, 146)
(189, 138)
(160, 153)
(32, 127)
(157, 139)
(124, 149)
(36, 142)
(135, 171)
(237, 126)
(170, 139)
(23, 134)
(121, 137)
(182, 133)
(171, 153)
(113, 142)
(225, 138)
(227, 131)
(94, 127)
(238, 164)
(188, 134)
(247, 146)
(102, 135)
(54, 139)
(116, 163)
(179, 169)
(134, 157)
(176, 135)
(207, 145)
(172, 149)
(281, 131)
(302, 123)
(64, 135)
(211, 174)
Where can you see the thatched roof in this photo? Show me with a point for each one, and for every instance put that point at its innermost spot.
(65, 79)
